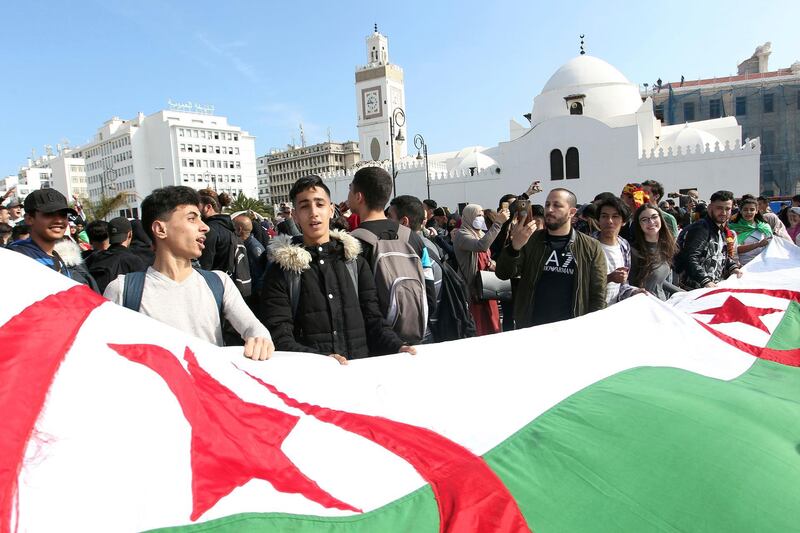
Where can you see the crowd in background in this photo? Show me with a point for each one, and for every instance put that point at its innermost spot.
(376, 275)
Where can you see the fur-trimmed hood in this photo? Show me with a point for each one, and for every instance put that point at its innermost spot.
(69, 252)
(295, 258)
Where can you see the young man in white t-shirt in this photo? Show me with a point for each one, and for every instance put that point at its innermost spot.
(177, 294)
(612, 213)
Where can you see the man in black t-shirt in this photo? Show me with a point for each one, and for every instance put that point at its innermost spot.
(563, 272)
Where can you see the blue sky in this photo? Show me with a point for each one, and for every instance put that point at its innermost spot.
(66, 67)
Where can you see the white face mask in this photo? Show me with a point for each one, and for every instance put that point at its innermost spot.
(479, 223)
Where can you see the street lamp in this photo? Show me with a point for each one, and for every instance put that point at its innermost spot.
(419, 144)
(398, 119)
(104, 181)
(161, 175)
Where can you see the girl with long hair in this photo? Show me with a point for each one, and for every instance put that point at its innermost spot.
(652, 252)
(753, 233)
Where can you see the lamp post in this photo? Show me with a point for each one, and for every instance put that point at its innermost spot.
(161, 175)
(419, 144)
(105, 182)
(398, 119)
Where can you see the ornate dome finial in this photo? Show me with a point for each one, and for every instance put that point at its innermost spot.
(582, 49)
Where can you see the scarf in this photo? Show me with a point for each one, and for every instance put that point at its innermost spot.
(743, 229)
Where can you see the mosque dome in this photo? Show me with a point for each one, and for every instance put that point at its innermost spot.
(586, 85)
(584, 70)
(476, 161)
(690, 137)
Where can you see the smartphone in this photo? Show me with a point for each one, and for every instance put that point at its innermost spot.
(523, 210)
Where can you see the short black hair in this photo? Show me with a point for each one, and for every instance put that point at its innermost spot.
(159, 204)
(19, 230)
(376, 186)
(721, 196)
(572, 200)
(603, 196)
(505, 198)
(308, 182)
(796, 198)
(409, 206)
(5, 228)
(655, 186)
(97, 230)
(614, 203)
(430, 203)
(762, 198)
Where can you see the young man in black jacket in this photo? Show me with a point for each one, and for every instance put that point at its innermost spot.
(706, 255)
(319, 295)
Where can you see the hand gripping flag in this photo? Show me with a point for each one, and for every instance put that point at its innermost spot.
(647, 416)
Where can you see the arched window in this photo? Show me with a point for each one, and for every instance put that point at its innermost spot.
(573, 165)
(556, 165)
(576, 108)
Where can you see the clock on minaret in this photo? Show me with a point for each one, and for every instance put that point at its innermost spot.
(372, 104)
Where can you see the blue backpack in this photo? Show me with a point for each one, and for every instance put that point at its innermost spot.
(133, 288)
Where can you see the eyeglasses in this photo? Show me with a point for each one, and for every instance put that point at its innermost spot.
(649, 220)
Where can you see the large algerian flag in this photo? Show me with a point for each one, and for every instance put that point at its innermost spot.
(644, 417)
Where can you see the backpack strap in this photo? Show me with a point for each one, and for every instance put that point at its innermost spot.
(132, 290)
(216, 286)
(366, 236)
(403, 233)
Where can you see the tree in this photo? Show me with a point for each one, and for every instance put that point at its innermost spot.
(103, 207)
(243, 203)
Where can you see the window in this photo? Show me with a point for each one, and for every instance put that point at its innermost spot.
(768, 142)
(216, 136)
(769, 103)
(576, 108)
(556, 165)
(741, 105)
(688, 111)
(190, 148)
(659, 112)
(715, 108)
(573, 165)
(235, 136)
(180, 132)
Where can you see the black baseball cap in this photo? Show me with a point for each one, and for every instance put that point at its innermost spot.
(47, 201)
(118, 229)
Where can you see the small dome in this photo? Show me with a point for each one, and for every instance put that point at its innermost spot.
(601, 89)
(584, 70)
(690, 136)
(477, 161)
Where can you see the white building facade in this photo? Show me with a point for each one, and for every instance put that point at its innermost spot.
(262, 174)
(589, 132)
(168, 148)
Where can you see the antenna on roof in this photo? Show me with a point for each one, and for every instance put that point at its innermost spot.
(583, 51)
(302, 136)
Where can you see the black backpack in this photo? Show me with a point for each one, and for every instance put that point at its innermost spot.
(105, 268)
(238, 267)
(452, 319)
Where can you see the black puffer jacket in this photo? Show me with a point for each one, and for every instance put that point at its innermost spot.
(330, 317)
(704, 255)
(219, 241)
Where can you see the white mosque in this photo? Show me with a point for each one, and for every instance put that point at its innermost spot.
(590, 131)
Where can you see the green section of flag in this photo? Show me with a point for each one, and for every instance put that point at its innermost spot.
(649, 449)
(787, 335)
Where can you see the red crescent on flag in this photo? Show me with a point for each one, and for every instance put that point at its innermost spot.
(785, 357)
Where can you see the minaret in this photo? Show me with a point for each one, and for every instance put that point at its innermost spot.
(379, 93)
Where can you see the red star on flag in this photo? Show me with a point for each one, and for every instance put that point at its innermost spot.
(733, 310)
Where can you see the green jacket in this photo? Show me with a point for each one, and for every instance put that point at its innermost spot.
(590, 275)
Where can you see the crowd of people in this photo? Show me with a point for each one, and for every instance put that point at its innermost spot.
(376, 275)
